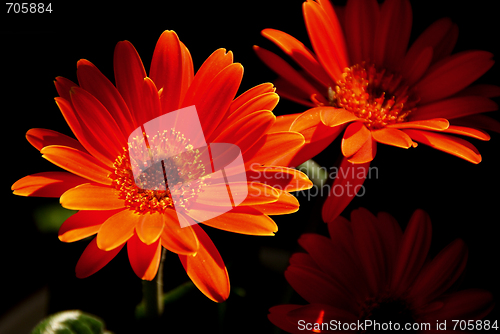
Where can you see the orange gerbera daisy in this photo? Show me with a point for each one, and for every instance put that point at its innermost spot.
(363, 78)
(369, 272)
(100, 183)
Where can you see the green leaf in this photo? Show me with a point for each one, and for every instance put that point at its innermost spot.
(70, 322)
(49, 218)
(317, 174)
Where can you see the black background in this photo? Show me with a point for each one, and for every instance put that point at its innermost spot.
(460, 197)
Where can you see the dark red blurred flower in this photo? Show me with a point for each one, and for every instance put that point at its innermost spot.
(370, 270)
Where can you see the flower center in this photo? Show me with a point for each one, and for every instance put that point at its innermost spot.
(379, 97)
(160, 178)
(384, 309)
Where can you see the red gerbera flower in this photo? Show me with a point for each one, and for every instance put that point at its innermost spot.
(369, 270)
(363, 78)
(100, 182)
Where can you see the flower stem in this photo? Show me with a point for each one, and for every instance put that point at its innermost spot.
(152, 292)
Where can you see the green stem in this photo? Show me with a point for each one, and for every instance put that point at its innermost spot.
(152, 292)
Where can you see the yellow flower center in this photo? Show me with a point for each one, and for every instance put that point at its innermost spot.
(163, 177)
(379, 97)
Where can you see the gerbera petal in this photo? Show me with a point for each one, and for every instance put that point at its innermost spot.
(392, 35)
(333, 261)
(437, 276)
(244, 220)
(178, 236)
(286, 71)
(282, 178)
(355, 136)
(129, 78)
(478, 121)
(92, 144)
(390, 235)
(96, 119)
(277, 315)
(46, 184)
(91, 196)
(469, 132)
(266, 101)
(449, 144)
(454, 107)
(327, 38)
(361, 21)
(317, 287)
(150, 227)
(414, 68)
(144, 258)
(77, 162)
(413, 253)
(313, 312)
(83, 224)
(94, 82)
(349, 180)
(93, 259)
(246, 131)
(63, 86)
(366, 153)
(214, 64)
(298, 52)
(392, 137)
(465, 305)
(369, 248)
(285, 204)
(117, 229)
(40, 138)
(452, 75)
(336, 116)
(167, 70)
(213, 101)
(437, 124)
(206, 268)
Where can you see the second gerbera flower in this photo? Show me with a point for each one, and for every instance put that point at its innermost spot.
(100, 183)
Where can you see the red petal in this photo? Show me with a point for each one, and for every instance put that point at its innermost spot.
(143, 258)
(46, 184)
(322, 313)
(454, 107)
(97, 121)
(206, 268)
(94, 82)
(361, 21)
(392, 33)
(40, 138)
(285, 204)
(479, 121)
(167, 70)
(129, 78)
(278, 317)
(413, 253)
(83, 224)
(93, 259)
(117, 229)
(437, 124)
(327, 39)
(452, 75)
(251, 94)
(84, 136)
(449, 144)
(63, 87)
(349, 180)
(392, 137)
(287, 72)
(247, 131)
(77, 162)
(298, 52)
(470, 304)
(355, 136)
(465, 131)
(179, 237)
(414, 68)
(437, 276)
(91, 196)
